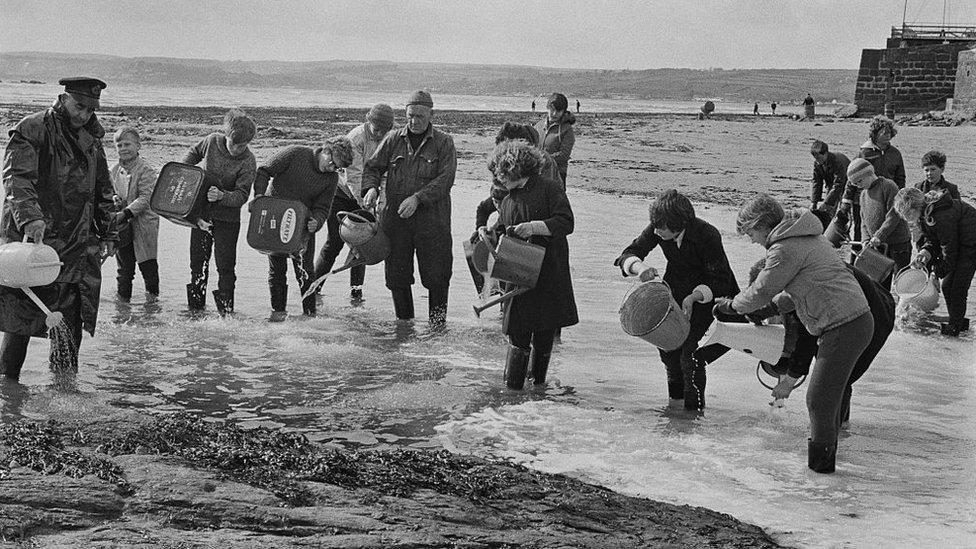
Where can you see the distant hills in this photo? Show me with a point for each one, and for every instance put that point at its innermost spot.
(761, 85)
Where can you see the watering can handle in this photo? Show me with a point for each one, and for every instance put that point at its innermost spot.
(483, 234)
(355, 216)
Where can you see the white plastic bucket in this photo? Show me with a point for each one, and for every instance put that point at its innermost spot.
(915, 286)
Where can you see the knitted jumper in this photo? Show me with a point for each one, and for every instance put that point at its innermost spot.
(234, 173)
(294, 173)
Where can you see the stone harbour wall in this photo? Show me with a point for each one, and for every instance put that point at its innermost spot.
(913, 78)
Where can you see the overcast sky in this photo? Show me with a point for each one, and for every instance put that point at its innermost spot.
(625, 34)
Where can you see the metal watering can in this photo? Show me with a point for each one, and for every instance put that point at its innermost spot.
(514, 261)
(23, 265)
(368, 244)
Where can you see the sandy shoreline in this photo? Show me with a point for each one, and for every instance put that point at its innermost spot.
(722, 160)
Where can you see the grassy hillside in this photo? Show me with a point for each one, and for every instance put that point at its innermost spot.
(745, 85)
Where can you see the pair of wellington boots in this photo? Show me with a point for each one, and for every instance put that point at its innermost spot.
(196, 299)
(279, 303)
(436, 303)
(517, 367)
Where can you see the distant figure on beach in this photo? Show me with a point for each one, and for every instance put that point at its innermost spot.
(537, 210)
(227, 157)
(755, 109)
(577, 106)
(56, 183)
(772, 107)
(533, 105)
(556, 135)
(808, 107)
(697, 272)
(365, 139)
(309, 176)
(829, 175)
(134, 180)
(706, 110)
(420, 162)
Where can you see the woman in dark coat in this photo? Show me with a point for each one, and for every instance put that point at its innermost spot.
(536, 209)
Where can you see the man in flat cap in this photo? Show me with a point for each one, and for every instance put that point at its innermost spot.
(420, 162)
(57, 191)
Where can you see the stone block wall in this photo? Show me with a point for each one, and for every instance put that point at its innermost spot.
(918, 78)
(964, 97)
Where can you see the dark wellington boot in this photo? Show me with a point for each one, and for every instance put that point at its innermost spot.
(279, 297)
(224, 301)
(821, 456)
(308, 306)
(124, 292)
(403, 302)
(196, 297)
(437, 304)
(540, 366)
(13, 352)
(516, 366)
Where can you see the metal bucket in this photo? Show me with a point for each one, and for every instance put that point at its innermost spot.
(23, 264)
(915, 286)
(650, 312)
(874, 263)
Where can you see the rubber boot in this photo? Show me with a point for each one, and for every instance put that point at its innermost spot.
(279, 303)
(516, 366)
(124, 292)
(308, 306)
(13, 352)
(964, 325)
(403, 302)
(196, 297)
(821, 456)
(224, 301)
(437, 304)
(694, 378)
(540, 366)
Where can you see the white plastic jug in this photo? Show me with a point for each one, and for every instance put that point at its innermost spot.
(23, 264)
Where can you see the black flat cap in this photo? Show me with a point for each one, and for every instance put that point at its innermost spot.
(85, 90)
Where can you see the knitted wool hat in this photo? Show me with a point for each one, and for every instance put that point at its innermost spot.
(420, 97)
(860, 173)
(382, 114)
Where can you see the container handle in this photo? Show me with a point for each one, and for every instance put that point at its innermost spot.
(483, 234)
(341, 215)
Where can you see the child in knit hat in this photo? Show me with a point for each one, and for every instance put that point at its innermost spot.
(881, 226)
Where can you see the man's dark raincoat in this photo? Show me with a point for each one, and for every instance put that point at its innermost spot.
(61, 177)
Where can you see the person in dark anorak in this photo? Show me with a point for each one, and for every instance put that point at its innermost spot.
(536, 209)
(57, 191)
(697, 272)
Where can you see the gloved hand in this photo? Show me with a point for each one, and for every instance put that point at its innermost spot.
(648, 274)
(784, 387)
(688, 303)
(758, 316)
(523, 230)
(312, 225)
(723, 306)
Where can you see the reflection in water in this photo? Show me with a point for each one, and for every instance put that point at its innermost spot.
(356, 376)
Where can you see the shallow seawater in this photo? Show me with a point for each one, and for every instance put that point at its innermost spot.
(354, 376)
